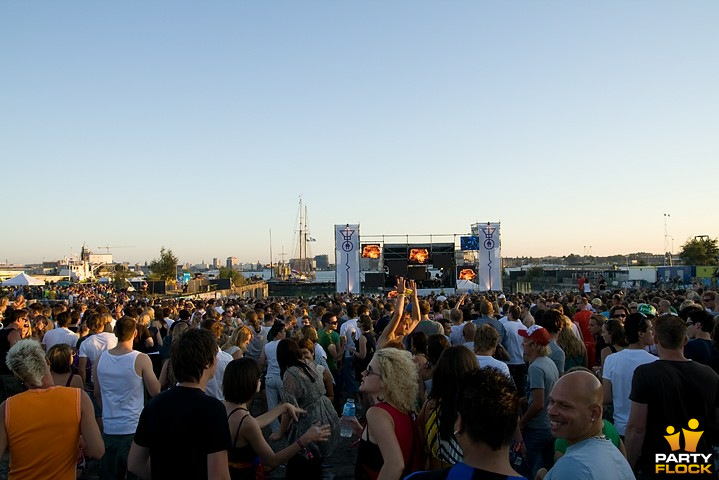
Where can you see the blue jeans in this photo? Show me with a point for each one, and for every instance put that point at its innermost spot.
(113, 465)
(273, 389)
(540, 448)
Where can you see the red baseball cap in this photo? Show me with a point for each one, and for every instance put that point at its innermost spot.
(537, 334)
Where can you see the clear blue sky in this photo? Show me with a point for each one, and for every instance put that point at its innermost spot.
(196, 125)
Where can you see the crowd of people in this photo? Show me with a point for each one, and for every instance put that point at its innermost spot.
(559, 385)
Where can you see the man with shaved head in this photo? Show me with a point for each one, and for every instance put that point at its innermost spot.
(575, 414)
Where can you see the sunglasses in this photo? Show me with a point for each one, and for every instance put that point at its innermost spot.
(370, 372)
(619, 315)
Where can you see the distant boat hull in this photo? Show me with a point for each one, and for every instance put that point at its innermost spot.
(289, 288)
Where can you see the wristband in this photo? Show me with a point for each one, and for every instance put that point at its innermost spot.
(304, 450)
(408, 291)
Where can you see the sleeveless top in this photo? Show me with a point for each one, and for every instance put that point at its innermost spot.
(369, 456)
(69, 379)
(446, 451)
(361, 363)
(243, 461)
(123, 394)
(310, 396)
(56, 434)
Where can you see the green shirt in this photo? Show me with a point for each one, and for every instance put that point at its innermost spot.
(325, 340)
(560, 444)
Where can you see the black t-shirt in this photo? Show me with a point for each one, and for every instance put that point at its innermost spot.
(181, 426)
(675, 392)
(382, 324)
(703, 351)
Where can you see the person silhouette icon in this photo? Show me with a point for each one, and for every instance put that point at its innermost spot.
(673, 438)
(691, 437)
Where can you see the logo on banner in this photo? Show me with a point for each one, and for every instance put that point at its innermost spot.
(489, 237)
(683, 463)
(347, 233)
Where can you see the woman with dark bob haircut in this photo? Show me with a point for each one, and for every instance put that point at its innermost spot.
(60, 359)
(250, 452)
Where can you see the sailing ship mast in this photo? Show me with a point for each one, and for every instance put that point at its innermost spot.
(306, 263)
(303, 241)
(304, 267)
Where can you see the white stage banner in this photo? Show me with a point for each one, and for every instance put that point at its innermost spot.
(490, 256)
(347, 256)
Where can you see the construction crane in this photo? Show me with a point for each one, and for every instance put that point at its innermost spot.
(108, 247)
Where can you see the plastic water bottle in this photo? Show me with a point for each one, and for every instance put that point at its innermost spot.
(348, 413)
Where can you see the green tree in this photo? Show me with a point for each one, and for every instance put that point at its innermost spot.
(700, 251)
(164, 268)
(120, 276)
(534, 273)
(573, 259)
(236, 277)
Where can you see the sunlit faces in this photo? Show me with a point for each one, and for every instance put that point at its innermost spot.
(709, 302)
(646, 337)
(371, 379)
(331, 325)
(24, 324)
(594, 327)
(606, 335)
(569, 416)
(620, 314)
(306, 355)
(530, 349)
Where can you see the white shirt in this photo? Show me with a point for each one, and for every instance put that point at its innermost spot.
(59, 335)
(273, 368)
(456, 335)
(619, 369)
(491, 362)
(515, 343)
(348, 330)
(214, 385)
(122, 392)
(319, 351)
(577, 332)
(93, 346)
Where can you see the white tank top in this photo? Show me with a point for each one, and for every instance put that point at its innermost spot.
(123, 393)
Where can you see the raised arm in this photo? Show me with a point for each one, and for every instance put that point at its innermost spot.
(415, 316)
(461, 300)
(388, 333)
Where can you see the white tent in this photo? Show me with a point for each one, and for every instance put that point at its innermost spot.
(22, 280)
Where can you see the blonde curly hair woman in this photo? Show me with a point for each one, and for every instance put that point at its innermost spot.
(388, 446)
